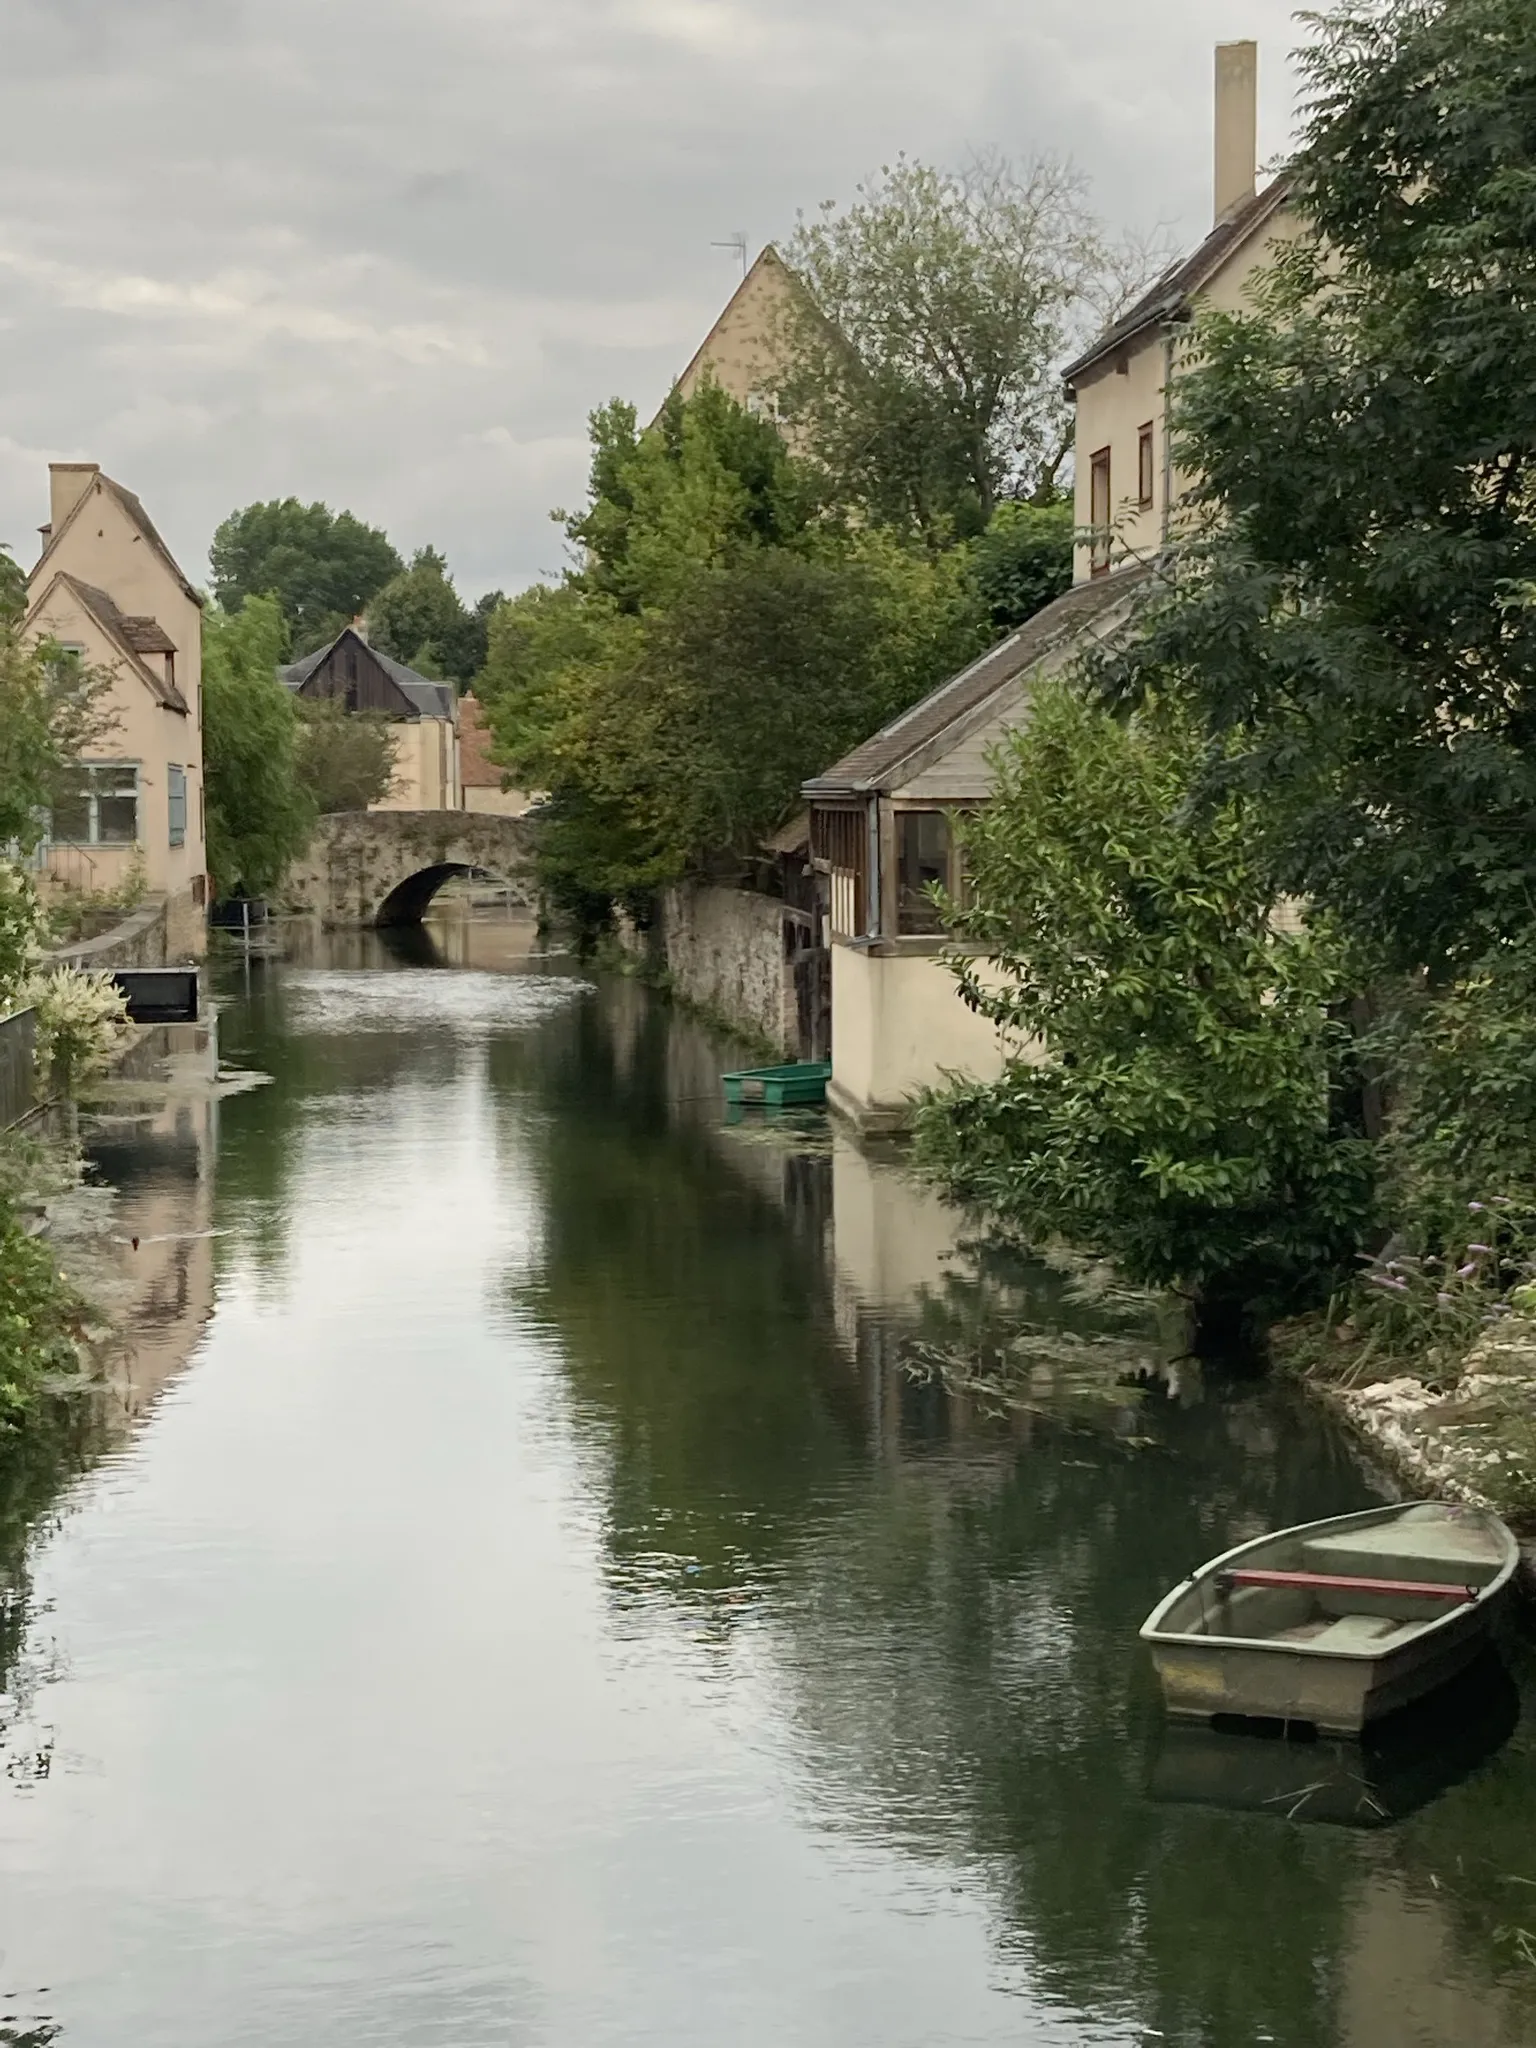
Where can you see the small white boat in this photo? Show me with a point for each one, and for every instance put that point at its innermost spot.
(1334, 1623)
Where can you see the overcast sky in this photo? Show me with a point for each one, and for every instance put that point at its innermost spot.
(390, 253)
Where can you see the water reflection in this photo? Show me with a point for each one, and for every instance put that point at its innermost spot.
(584, 1593)
(1409, 1760)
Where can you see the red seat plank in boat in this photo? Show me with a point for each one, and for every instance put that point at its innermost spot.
(1341, 1582)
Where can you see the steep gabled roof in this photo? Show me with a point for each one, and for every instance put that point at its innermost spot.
(768, 258)
(1169, 299)
(125, 634)
(942, 719)
(429, 699)
(139, 518)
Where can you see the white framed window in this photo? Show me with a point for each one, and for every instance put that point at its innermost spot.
(102, 809)
(176, 802)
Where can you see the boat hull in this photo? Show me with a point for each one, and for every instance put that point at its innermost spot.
(1338, 1696)
(1211, 1663)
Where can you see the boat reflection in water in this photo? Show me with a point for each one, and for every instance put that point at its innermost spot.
(1402, 1764)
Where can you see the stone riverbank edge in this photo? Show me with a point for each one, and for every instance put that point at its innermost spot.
(1470, 1439)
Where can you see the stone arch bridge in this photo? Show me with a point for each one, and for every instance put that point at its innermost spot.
(384, 867)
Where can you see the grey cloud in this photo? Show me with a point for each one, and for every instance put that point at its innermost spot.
(392, 253)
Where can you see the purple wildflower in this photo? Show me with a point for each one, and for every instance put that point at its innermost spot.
(1465, 1272)
(1477, 1208)
(1387, 1280)
(1445, 1299)
(1479, 1247)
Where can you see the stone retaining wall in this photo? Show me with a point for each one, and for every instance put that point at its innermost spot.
(731, 952)
(139, 941)
(163, 931)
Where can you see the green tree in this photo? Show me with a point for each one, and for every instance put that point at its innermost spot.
(706, 481)
(1353, 613)
(323, 567)
(420, 619)
(764, 670)
(51, 709)
(921, 360)
(259, 813)
(1022, 560)
(346, 759)
(1177, 1100)
(727, 633)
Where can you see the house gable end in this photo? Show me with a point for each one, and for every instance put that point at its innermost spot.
(350, 673)
(85, 603)
(113, 499)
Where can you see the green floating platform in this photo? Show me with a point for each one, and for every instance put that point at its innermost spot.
(778, 1087)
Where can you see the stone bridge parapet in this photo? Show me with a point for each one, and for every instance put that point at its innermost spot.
(384, 867)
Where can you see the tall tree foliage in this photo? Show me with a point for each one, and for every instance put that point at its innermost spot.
(420, 619)
(922, 356)
(321, 566)
(1021, 560)
(259, 813)
(51, 709)
(345, 759)
(1353, 614)
(1174, 1095)
(724, 637)
(708, 480)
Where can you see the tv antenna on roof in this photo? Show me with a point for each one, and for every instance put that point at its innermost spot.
(738, 242)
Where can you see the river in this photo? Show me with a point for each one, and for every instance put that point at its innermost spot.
(522, 1598)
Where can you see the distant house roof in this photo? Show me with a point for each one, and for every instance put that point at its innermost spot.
(1170, 297)
(942, 719)
(136, 513)
(476, 768)
(431, 699)
(132, 637)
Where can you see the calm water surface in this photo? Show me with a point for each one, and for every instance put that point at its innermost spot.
(526, 1599)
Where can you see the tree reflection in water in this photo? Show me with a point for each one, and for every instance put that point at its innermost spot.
(950, 1583)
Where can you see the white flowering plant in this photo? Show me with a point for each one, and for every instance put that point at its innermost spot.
(81, 1021)
(21, 921)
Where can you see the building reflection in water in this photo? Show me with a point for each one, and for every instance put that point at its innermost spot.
(155, 1143)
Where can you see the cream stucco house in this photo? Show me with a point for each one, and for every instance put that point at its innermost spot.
(1127, 490)
(423, 716)
(880, 819)
(108, 590)
(881, 833)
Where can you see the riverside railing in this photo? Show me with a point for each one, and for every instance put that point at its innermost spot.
(18, 1042)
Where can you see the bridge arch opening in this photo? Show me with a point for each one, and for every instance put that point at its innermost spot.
(409, 900)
